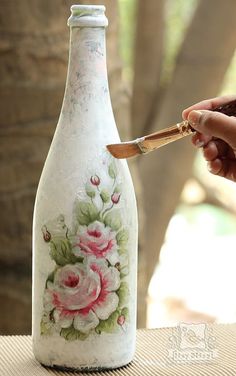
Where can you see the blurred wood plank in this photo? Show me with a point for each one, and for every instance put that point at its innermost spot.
(148, 61)
(203, 59)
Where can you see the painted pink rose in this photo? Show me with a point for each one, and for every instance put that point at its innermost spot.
(98, 240)
(83, 294)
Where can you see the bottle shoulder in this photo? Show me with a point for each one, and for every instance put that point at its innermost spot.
(70, 173)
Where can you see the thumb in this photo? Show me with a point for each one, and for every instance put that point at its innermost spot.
(214, 124)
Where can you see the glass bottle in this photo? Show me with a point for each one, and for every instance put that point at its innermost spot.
(85, 221)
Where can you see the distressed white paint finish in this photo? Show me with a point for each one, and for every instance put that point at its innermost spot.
(77, 152)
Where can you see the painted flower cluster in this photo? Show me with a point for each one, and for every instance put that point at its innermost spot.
(87, 291)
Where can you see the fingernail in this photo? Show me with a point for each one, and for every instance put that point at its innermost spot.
(199, 143)
(194, 117)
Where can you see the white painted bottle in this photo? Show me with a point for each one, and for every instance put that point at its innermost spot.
(85, 221)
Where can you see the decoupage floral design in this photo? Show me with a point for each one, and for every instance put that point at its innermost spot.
(87, 291)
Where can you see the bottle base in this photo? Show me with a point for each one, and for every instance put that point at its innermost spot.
(84, 356)
(86, 369)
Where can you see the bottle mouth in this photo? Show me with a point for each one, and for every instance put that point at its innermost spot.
(87, 16)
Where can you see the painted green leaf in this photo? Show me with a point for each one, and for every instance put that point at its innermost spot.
(123, 294)
(122, 251)
(124, 272)
(105, 196)
(109, 325)
(86, 213)
(122, 237)
(113, 220)
(112, 170)
(118, 189)
(124, 262)
(51, 277)
(125, 312)
(46, 326)
(61, 252)
(71, 334)
(90, 191)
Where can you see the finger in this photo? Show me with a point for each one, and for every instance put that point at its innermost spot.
(209, 104)
(217, 149)
(225, 168)
(200, 139)
(214, 124)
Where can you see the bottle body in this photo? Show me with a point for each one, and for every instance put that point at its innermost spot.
(85, 227)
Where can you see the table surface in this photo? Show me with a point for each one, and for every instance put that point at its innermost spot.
(186, 350)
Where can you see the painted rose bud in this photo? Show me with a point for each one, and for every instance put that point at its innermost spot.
(95, 180)
(121, 320)
(46, 234)
(115, 198)
(118, 266)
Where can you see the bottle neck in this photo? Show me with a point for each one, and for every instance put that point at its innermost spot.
(87, 70)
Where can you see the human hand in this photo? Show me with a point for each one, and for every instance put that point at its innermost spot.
(216, 134)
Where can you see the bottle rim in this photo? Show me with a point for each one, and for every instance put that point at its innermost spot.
(87, 15)
(87, 9)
